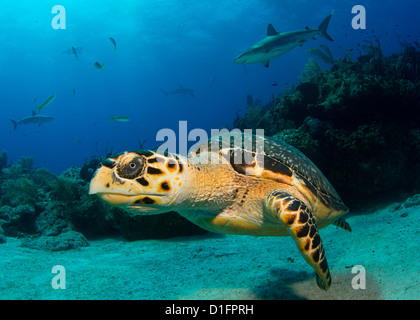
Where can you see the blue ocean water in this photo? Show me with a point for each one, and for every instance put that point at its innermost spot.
(165, 46)
(161, 45)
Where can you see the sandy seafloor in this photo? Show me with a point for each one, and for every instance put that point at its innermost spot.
(385, 242)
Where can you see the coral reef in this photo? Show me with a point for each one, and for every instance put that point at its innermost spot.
(26, 164)
(18, 220)
(311, 69)
(64, 241)
(411, 202)
(19, 191)
(324, 53)
(88, 169)
(3, 160)
(355, 120)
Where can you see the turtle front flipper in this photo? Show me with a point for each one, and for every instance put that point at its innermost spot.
(299, 221)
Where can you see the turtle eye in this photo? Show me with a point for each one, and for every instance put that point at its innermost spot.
(132, 169)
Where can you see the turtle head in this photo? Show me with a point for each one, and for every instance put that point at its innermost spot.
(141, 182)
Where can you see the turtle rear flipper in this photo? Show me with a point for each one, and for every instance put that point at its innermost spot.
(299, 221)
(342, 223)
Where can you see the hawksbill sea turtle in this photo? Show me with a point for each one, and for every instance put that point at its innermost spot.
(280, 192)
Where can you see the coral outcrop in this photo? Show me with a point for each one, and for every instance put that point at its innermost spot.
(64, 241)
(356, 120)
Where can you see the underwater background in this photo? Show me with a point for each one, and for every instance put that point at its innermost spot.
(160, 45)
(351, 105)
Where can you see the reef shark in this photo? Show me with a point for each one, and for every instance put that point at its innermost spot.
(34, 119)
(276, 44)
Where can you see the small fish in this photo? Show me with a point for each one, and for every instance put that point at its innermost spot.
(99, 66)
(113, 42)
(34, 100)
(73, 49)
(417, 44)
(70, 51)
(46, 102)
(274, 84)
(120, 119)
(74, 92)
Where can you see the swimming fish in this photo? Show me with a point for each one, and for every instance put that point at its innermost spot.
(276, 44)
(120, 119)
(46, 102)
(73, 49)
(70, 51)
(34, 119)
(99, 66)
(113, 42)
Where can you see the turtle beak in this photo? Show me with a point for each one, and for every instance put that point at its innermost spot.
(100, 180)
(111, 189)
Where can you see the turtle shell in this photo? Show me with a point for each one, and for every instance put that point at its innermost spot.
(262, 157)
